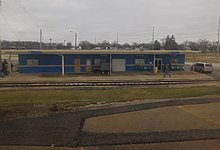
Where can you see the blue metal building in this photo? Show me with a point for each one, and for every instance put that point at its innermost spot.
(111, 61)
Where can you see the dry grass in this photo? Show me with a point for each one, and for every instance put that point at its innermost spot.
(29, 103)
(83, 97)
(203, 57)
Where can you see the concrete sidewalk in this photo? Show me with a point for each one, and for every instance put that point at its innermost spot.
(192, 145)
(201, 117)
(16, 77)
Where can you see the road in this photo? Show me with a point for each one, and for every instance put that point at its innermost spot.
(215, 74)
(69, 129)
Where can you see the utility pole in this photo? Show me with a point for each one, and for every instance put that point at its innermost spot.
(218, 35)
(0, 51)
(75, 40)
(117, 40)
(64, 44)
(0, 42)
(153, 40)
(40, 39)
(95, 40)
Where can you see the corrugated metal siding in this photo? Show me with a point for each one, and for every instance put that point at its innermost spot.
(40, 70)
(49, 63)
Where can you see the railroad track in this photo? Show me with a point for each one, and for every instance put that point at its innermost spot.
(86, 84)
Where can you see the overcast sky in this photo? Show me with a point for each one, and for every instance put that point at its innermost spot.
(102, 19)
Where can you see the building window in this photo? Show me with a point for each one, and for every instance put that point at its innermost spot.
(97, 62)
(88, 62)
(32, 62)
(139, 61)
(174, 61)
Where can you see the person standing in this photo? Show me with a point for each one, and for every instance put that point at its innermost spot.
(170, 67)
(1, 69)
(166, 70)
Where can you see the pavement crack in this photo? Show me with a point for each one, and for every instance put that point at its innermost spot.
(199, 116)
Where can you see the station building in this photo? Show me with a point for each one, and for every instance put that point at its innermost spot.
(97, 61)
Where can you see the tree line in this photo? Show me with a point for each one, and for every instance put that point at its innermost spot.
(167, 43)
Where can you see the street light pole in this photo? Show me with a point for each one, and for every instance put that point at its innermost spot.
(117, 40)
(75, 39)
(64, 44)
(153, 39)
(51, 44)
(218, 35)
(40, 39)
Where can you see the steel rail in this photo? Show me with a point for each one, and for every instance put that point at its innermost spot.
(84, 84)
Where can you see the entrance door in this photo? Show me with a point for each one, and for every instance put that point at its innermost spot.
(158, 64)
(77, 66)
(88, 65)
(118, 65)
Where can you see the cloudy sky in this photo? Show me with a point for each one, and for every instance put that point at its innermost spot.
(102, 19)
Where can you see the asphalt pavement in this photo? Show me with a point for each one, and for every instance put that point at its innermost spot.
(66, 130)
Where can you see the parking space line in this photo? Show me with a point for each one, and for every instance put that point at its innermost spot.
(199, 116)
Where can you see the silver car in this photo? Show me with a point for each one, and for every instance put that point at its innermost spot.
(202, 67)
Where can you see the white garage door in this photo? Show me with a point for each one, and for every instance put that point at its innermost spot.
(118, 65)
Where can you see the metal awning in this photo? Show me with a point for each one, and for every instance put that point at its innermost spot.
(135, 52)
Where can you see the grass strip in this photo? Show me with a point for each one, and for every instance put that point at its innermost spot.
(83, 97)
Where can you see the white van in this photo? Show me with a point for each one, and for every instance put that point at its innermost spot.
(202, 67)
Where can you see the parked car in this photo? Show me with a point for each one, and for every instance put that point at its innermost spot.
(202, 67)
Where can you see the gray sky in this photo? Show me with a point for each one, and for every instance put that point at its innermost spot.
(102, 19)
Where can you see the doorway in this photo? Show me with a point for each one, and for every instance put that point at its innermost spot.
(88, 65)
(158, 64)
(77, 66)
(118, 65)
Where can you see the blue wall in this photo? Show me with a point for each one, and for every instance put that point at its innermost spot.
(52, 63)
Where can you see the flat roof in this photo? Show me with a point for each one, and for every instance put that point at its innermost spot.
(98, 51)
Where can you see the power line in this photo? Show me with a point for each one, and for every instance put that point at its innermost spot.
(25, 10)
(14, 13)
(18, 18)
(6, 20)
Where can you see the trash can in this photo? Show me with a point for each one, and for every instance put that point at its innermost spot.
(155, 70)
(2, 74)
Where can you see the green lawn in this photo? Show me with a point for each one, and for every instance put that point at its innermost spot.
(83, 97)
(35, 103)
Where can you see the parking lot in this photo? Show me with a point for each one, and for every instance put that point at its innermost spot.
(201, 117)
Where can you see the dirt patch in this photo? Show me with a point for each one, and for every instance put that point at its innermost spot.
(22, 111)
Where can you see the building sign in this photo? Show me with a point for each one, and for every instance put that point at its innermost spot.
(36, 52)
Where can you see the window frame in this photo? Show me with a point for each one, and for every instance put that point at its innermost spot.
(139, 61)
(32, 62)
